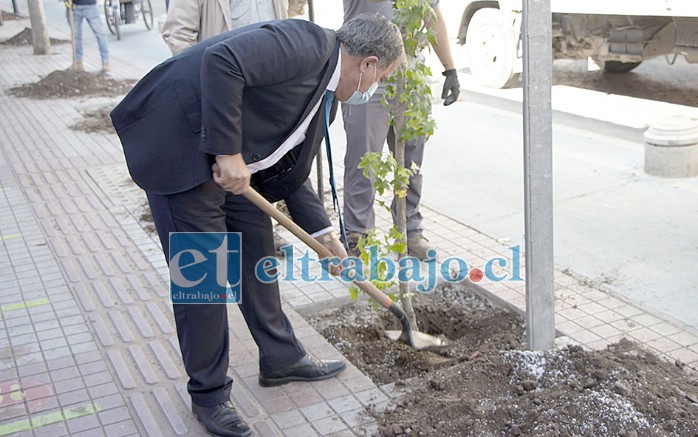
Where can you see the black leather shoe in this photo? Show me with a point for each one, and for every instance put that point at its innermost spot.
(221, 420)
(307, 368)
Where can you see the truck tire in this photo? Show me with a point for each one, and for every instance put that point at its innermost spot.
(491, 49)
(619, 67)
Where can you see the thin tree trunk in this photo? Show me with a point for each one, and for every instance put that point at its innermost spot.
(37, 17)
(401, 206)
(71, 21)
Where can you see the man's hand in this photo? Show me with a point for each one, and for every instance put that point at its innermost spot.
(451, 87)
(337, 248)
(296, 8)
(231, 173)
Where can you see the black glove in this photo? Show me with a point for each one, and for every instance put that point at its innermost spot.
(451, 87)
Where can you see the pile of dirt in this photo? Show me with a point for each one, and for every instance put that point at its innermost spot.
(97, 120)
(651, 81)
(486, 384)
(470, 324)
(71, 83)
(9, 16)
(146, 217)
(24, 38)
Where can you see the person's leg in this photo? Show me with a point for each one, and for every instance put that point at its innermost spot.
(93, 19)
(366, 128)
(414, 153)
(261, 303)
(202, 329)
(282, 358)
(417, 245)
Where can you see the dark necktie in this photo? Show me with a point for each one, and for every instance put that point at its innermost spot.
(329, 98)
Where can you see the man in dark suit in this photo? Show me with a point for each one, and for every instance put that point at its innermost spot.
(246, 108)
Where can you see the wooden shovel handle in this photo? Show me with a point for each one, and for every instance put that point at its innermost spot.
(263, 204)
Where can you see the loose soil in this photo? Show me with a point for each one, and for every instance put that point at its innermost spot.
(487, 384)
(97, 120)
(70, 83)
(9, 16)
(24, 38)
(653, 80)
(146, 217)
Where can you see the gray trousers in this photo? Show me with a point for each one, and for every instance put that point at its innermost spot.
(367, 129)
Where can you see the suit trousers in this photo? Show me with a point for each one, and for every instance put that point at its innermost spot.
(202, 329)
(367, 128)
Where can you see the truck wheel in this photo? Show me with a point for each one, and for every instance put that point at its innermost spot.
(491, 49)
(619, 67)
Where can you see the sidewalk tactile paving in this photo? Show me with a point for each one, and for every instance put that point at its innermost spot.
(170, 411)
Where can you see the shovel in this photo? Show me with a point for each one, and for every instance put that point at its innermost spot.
(409, 335)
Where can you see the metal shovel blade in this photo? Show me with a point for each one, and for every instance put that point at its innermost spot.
(417, 339)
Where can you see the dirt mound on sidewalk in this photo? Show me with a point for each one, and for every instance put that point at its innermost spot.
(97, 120)
(24, 38)
(9, 16)
(486, 384)
(70, 83)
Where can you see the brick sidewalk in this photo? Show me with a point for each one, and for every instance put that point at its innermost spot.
(87, 329)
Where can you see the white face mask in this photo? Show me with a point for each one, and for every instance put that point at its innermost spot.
(359, 98)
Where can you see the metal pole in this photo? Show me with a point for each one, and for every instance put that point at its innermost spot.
(320, 176)
(318, 157)
(15, 9)
(538, 174)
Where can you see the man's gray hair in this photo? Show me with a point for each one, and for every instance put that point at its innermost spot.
(372, 35)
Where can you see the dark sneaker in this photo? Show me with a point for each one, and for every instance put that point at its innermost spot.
(221, 420)
(307, 368)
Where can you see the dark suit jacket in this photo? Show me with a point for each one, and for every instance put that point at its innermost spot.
(244, 91)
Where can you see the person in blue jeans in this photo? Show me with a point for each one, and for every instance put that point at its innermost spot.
(88, 10)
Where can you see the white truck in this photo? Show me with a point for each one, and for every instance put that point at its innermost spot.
(617, 35)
